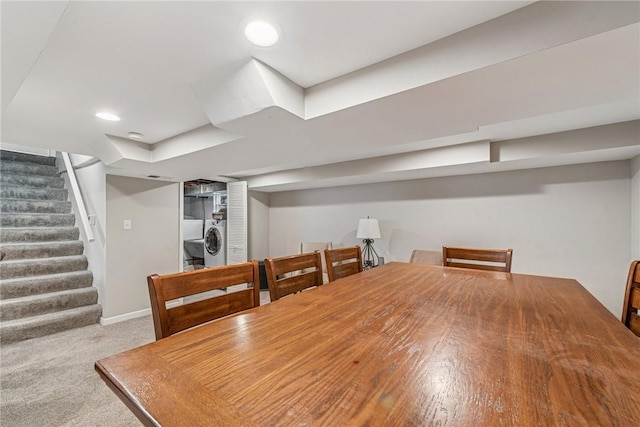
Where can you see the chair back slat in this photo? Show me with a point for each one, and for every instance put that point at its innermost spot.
(479, 259)
(344, 270)
(294, 262)
(189, 315)
(198, 281)
(296, 283)
(631, 306)
(290, 274)
(168, 321)
(343, 262)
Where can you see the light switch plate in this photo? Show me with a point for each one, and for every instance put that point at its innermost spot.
(126, 224)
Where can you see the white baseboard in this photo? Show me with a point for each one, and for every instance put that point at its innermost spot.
(122, 317)
(133, 315)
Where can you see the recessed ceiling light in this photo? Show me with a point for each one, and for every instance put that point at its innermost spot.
(261, 33)
(135, 135)
(108, 116)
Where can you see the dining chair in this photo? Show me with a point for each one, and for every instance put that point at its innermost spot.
(207, 305)
(630, 316)
(420, 256)
(294, 273)
(306, 247)
(479, 259)
(343, 262)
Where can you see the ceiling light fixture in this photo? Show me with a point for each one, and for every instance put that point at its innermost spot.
(108, 116)
(261, 33)
(135, 135)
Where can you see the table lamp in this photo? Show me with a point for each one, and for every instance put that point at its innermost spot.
(368, 230)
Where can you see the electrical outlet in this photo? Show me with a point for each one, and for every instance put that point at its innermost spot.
(126, 224)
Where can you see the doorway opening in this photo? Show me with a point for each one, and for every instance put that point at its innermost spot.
(204, 224)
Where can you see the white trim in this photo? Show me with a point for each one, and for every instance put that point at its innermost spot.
(36, 151)
(237, 222)
(104, 321)
(77, 195)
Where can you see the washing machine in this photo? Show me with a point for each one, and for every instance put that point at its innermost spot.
(215, 242)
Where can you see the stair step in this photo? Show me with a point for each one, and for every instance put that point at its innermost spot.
(15, 251)
(42, 266)
(24, 286)
(35, 206)
(35, 305)
(50, 323)
(38, 234)
(28, 193)
(7, 178)
(45, 286)
(23, 219)
(14, 156)
(28, 168)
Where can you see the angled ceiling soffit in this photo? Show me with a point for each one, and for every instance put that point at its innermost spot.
(198, 139)
(123, 148)
(236, 92)
(618, 136)
(442, 157)
(617, 141)
(189, 142)
(231, 96)
(502, 39)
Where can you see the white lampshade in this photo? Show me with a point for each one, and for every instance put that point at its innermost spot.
(368, 229)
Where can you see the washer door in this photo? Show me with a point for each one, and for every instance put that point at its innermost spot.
(213, 241)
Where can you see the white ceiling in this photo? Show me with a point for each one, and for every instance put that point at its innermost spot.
(348, 81)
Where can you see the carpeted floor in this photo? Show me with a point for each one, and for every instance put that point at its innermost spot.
(50, 381)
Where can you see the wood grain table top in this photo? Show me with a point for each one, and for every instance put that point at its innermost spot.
(402, 344)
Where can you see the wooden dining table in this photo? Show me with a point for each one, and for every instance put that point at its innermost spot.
(398, 345)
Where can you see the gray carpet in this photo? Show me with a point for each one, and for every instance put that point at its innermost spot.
(50, 381)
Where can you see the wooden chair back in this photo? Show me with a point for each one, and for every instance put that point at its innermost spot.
(343, 262)
(168, 321)
(290, 274)
(419, 256)
(479, 259)
(630, 316)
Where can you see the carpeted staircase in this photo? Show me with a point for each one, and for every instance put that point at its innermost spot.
(45, 286)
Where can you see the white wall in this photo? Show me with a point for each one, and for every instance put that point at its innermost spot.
(150, 246)
(258, 225)
(92, 183)
(120, 265)
(635, 208)
(570, 221)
